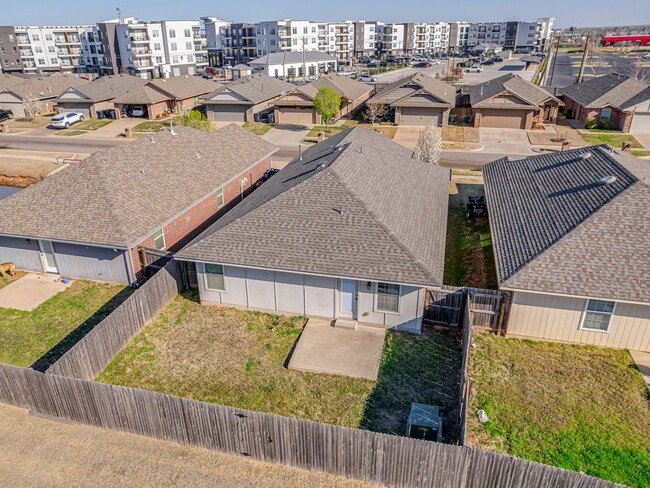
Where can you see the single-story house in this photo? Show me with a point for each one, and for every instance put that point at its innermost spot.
(87, 221)
(175, 94)
(241, 100)
(570, 232)
(43, 89)
(613, 100)
(290, 64)
(98, 95)
(417, 100)
(297, 107)
(510, 102)
(326, 237)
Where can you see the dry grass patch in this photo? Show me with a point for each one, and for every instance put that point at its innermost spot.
(70, 133)
(577, 407)
(25, 123)
(257, 128)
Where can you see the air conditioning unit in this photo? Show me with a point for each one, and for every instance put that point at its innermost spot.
(424, 423)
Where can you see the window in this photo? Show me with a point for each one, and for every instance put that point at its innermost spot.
(54, 61)
(159, 59)
(189, 46)
(294, 30)
(174, 47)
(172, 33)
(605, 114)
(214, 278)
(48, 37)
(38, 49)
(188, 32)
(36, 37)
(159, 239)
(598, 315)
(41, 61)
(155, 33)
(220, 200)
(157, 46)
(177, 71)
(388, 297)
(175, 60)
(51, 49)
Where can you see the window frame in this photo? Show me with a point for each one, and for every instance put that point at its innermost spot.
(399, 298)
(205, 277)
(219, 195)
(162, 234)
(586, 310)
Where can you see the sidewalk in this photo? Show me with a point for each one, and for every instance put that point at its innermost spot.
(642, 360)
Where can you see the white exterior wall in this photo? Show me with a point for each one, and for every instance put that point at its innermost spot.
(526, 35)
(558, 318)
(284, 69)
(315, 296)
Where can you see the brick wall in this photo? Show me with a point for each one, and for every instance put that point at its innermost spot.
(180, 231)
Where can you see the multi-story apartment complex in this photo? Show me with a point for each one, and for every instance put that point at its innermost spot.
(286, 36)
(50, 49)
(528, 36)
(338, 39)
(239, 43)
(458, 35)
(398, 39)
(367, 37)
(214, 30)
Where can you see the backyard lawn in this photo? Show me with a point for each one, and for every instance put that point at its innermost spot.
(238, 358)
(257, 128)
(581, 408)
(49, 330)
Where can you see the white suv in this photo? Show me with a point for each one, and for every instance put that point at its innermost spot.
(367, 78)
(66, 119)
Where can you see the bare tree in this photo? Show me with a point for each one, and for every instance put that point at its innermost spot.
(637, 71)
(32, 108)
(429, 145)
(373, 112)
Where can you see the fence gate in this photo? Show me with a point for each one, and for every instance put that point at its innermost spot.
(444, 307)
(153, 260)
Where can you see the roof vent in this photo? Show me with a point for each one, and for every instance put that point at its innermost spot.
(586, 155)
(607, 180)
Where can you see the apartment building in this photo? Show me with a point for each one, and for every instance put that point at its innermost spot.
(398, 39)
(239, 43)
(286, 36)
(514, 35)
(458, 35)
(50, 49)
(338, 39)
(367, 37)
(214, 30)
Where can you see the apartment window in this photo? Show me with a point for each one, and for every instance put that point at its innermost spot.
(214, 277)
(294, 30)
(2, 50)
(305, 30)
(11, 38)
(48, 37)
(388, 297)
(313, 30)
(175, 60)
(220, 200)
(38, 49)
(177, 71)
(188, 33)
(54, 61)
(157, 46)
(190, 58)
(155, 33)
(191, 71)
(276, 74)
(159, 59)
(15, 49)
(174, 47)
(189, 46)
(51, 49)
(36, 37)
(172, 33)
(598, 315)
(159, 239)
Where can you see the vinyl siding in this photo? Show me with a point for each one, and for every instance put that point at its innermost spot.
(23, 253)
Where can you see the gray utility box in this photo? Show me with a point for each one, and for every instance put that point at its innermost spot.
(424, 422)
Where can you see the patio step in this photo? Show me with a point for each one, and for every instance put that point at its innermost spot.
(345, 324)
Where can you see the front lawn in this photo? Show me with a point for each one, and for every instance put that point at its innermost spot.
(25, 123)
(70, 133)
(615, 139)
(92, 124)
(387, 130)
(581, 408)
(257, 128)
(52, 328)
(152, 125)
(238, 358)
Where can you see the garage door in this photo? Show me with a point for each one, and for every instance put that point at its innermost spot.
(641, 123)
(17, 108)
(82, 108)
(227, 113)
(504, 119)
(420, 116)
(295, 115)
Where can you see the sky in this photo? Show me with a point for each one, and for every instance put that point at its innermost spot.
(581, 13)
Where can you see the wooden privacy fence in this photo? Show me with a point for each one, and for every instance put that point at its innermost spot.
(353, 453)
(91, 355)
(153, 260)
(465, 381)
(446, 306)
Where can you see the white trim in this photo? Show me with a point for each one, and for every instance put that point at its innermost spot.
(225, 286)
(608, 299)
(584, 315)
(376, 296)
(46, 267)
(63, 241)
(162, 234)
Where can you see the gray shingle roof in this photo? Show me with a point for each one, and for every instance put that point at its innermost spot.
(182, 87)
(357, 205)
(292, 57)
(143, 94)
(556, 229)
(118, 196)
(397, 93)
(613, 89)
(528, 92)
(108, 87)
(255, 88)
(44, 87)
(343, 85)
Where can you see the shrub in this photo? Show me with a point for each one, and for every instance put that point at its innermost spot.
(591, 123)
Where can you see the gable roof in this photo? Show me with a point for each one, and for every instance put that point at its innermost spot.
(614, 90)
(343, 85)
(557, 229)
(143, 94)
(182, 87)
(396, 94)
(292, 57)
(118, 196)
(255, 88)
(530, 94)
(106, 88)
(44, 87)
(334, 213)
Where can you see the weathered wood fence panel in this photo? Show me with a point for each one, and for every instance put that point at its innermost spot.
(353, 453)
(445, 306)
(465, 382)
(94, 352)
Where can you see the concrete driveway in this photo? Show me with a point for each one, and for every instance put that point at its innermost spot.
(287, 138)
(509, 141)
(407, 135)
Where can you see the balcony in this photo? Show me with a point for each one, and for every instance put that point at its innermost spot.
(26, 53)
(143, 65)
(22, 40)
(139, 37)
(142, 52)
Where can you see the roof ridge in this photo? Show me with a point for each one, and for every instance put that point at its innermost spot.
(418, 262)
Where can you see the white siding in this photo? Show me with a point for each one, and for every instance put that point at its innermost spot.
(558, 318)
(320, 296)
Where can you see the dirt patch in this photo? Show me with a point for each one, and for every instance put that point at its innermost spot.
(543, 138)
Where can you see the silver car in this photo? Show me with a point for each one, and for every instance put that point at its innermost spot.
(65, 119)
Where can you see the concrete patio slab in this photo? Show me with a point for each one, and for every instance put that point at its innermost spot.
(326, 349)
(407, 136)
(30, 291)
(642, 360)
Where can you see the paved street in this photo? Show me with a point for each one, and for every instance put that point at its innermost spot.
(567, 67)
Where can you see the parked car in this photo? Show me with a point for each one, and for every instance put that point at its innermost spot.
(497, 59)
(488, 62)
(422, 65)
(434, 61)
(65, 119)
(474, 69)
(137, 111)
(266, 176)
(6, 115)
(646, 57)
(366, 78)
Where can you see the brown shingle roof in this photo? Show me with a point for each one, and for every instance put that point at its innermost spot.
(255, 88)
(343, 85)
(182, 87)
(45, 86)
(528, 92)
(108, 87)
(394, 94)
(118, 196)
(613, 89)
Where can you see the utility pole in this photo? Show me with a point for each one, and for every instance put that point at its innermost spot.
(584, 60)
(557, 48)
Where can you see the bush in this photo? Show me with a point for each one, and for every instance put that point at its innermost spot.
(195, 120)
(604, 124)
(591, 123)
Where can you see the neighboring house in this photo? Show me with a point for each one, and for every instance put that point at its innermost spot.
(417, 100)
(618, 101)
(240, 71)
(43, 89)
(88, 220)
(328, 237)
(98, 95)
(297, 107)
(510, 102)
(240, 100)
(571, 241)
(294, 65)
(175, 94)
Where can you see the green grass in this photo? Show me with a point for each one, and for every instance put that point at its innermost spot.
(257, 128)
(615, 139)
(92, 124)
(27, 336)
(152, 125)
(237, 358)
(387, 130)
(640, 153)
(70, 132)
(7, 279)
(581, 408)
(24, 123)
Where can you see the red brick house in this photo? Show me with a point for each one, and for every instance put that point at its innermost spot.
(88, 220)
(613, 101)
